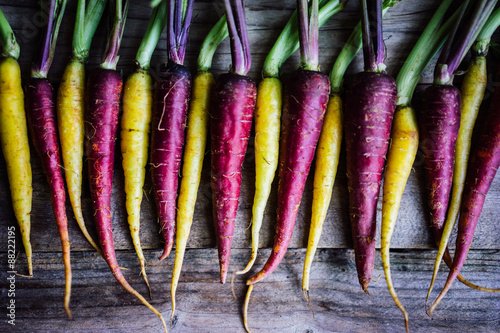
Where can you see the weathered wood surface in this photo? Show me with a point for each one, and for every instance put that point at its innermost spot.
(99, 304)
(204, 305)
(402, 26)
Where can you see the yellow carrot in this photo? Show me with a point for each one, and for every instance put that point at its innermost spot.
(15, 148)
(327, 158)
(267, 127)
(135, 125)
(137, 105)
(70, 110)
(194, 149)
(400, 158)
(194, 152)
(70, 107)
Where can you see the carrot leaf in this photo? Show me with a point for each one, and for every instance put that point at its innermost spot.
(483, 40)
(240, 46)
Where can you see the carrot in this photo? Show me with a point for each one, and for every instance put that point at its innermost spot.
(14, 134)
(304, 105)
(171, 98)
(194, 151)
(370, 104)
(484, 163)
(232, 107)
(136, 118)
(327, 154)
(405, 135)
(267, 118)
(102, 106)
(447, 64)
(472, 92)
(70, 106)
(41, 115)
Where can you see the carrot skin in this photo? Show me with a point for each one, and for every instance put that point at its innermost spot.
(370, 105)
(42, 122)
(232, 108)
(170, 105)
(484, 163)
(304, 106)
(439, 125)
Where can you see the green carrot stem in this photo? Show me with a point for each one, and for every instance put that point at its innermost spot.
(216, 35)
(87, 20)
(156, 25)
(10, 47)
(483, 40)
(288, 41)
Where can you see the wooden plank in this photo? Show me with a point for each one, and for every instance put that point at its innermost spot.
(402, 25)
(277, 305)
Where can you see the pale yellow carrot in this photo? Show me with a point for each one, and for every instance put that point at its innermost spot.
(135, 123)
(327, 159)
(400, 158)
(15, 148)
(267, 135)
(70, 111)
(194, 153)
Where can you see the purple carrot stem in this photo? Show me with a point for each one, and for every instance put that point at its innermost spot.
(110, 54)
(185, 30)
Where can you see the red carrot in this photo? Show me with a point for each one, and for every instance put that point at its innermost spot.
(484, 163)
(102, 108)
(171, 99)
(233, 102)
(304, 105)
(370, 103)
(41, 114)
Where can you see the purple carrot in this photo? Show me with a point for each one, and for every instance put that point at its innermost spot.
(483, 166)
(102, 109)
(304, 104)
(370, 103)
(41, 115)
(232, 107)
(171, 99)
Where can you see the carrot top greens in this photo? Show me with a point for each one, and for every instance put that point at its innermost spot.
(460, 40)
(349, 51)
(117, 17)
(288, 41)
(8, 43)
(216, 35)
(431, 39)
(87, 20)
(483, 40)
(308, 35)
(155, 27)
(373, 43)
(240, 46)
(179, 20)
(45, 52)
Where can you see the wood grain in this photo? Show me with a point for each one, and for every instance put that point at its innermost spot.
(99, 304)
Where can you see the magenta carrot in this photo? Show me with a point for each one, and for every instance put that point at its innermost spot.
(484, 163)
(170, 104)
(370, 104)
(233, 102)
(304, 104)
(440, 121)
(102, 108)
(41, 114)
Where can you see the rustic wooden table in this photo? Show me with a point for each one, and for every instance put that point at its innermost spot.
(99, 304)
